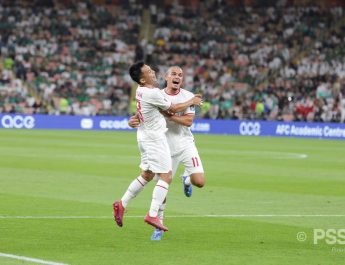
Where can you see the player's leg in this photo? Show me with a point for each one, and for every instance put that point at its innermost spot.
(198, 179)
(136, 186)
(160, 162)
(175, 163)
(159, 194)
(157, 233)
(194, 171)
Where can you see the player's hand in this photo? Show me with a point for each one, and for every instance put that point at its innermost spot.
(197, 100)
(134, 121)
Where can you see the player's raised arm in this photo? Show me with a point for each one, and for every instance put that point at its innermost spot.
(196, 100)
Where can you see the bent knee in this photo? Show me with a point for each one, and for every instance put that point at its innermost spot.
(147, 175)
(167, 177)
(199, 184)
(198, 180)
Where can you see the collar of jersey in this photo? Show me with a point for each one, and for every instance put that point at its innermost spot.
(172, 94)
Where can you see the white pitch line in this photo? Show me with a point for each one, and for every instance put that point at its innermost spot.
(179, 216)
(56, 217)
(41, 261)
(262, 153)
(275, 215)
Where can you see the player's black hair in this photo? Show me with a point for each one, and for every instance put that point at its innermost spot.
(135, 71)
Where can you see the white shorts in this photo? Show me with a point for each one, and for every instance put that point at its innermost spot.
(155, 156)
(190, 158)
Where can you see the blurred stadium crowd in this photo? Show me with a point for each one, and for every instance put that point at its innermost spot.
(277, 62)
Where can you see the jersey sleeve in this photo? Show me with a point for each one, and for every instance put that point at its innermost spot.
(190, 110)
(159, 100)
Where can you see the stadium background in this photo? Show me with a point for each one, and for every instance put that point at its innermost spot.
(64, 66)
(250, 60)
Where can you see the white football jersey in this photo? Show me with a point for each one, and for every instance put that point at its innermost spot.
(152, 122)
(179, 136)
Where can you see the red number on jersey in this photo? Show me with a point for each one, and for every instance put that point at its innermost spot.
(140, 116)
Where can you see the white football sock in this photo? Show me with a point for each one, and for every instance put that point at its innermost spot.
(133, 190)
(187, 180)
(159, 193)
(161, 211)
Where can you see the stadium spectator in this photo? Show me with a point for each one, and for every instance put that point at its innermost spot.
(249, 62)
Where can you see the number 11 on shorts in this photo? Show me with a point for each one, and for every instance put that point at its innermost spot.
(195, 161)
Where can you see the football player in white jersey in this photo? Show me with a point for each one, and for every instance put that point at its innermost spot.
(180, 138)
(152, 142)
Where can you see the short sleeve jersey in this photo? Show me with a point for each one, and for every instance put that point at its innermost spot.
(152, 122)
(179, 136)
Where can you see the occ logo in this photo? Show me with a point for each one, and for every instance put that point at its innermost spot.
(250, 128)
(18, 122)
(86, 123)
(114, 124)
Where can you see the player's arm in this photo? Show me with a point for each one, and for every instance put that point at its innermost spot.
(161, 102)
(185, 120)
(196, 100)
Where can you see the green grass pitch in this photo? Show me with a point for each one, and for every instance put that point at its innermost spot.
(260, 192)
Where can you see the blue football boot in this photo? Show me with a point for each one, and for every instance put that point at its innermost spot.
(157, 235)
(187, 189)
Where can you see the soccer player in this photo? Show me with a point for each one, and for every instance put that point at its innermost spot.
(180, 138)
(152, 142)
